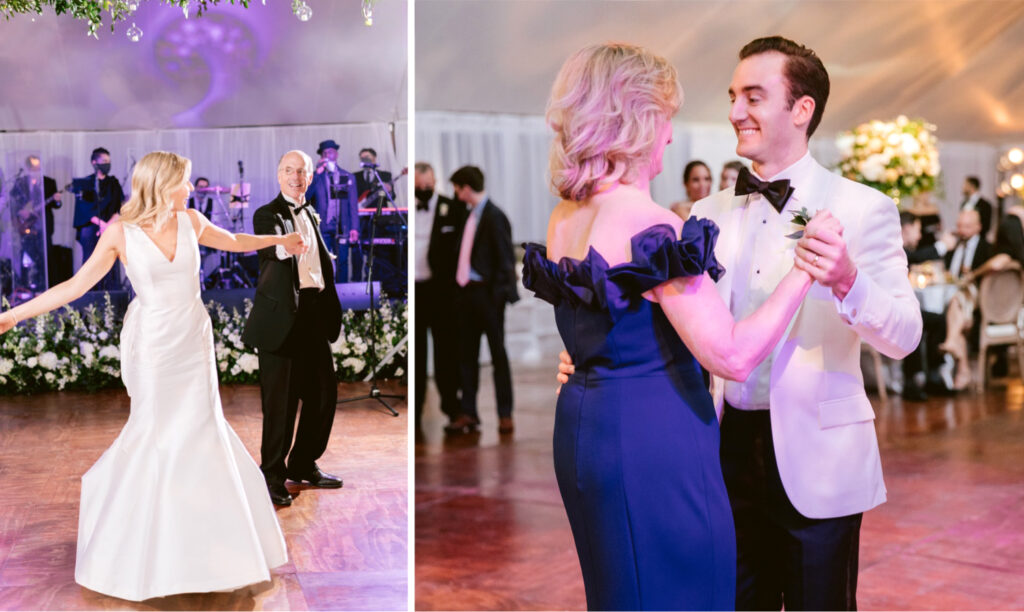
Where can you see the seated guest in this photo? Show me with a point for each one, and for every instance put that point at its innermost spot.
(926, 357)
(730, 171)
(1010, 234)
(912, 234)
(965, 263)
(697, 183)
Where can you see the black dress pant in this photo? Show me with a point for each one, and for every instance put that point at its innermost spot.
(435, 312)
(481, 313)
(926, 357)
(301, 370)
(783, 557)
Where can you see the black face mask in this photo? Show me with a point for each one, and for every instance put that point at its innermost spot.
(424, 195)
(104, 168)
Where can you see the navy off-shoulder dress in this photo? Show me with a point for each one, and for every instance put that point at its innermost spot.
(636, 435)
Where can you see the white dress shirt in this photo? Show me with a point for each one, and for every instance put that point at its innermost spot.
(310, 274)
(963, 255)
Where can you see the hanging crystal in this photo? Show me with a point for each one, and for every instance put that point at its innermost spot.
(134, 33)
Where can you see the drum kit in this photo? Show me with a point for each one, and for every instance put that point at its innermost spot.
(222, 269)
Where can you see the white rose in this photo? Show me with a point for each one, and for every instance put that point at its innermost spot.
(909, 144)
(104, 335)
(50, 377)
(6, 365)
(845, 144)
(110, 352)
(248, 363)
(48, 360)
(32, 362)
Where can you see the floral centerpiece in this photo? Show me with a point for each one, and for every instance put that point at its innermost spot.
(899, 158)
(73, 350)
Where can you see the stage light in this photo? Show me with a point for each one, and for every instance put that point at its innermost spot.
(1015, 156)
(1017, 181)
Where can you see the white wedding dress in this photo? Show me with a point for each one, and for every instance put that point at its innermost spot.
(176, 504)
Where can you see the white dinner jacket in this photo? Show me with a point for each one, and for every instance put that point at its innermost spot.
(822, 421)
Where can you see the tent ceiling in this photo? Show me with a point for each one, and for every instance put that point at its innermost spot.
(957, 63)
(233, 67)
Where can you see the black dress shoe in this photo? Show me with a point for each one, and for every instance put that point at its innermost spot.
(914, 393)
(279, 495)
(463, 424)
(317, 478)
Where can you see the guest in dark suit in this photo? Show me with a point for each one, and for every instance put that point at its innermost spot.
(295, 317)
(926, 357)
(974, 201)
(1010, 234)
(365, 179)
(972, 250)
(439, 222)
(485, 274)
(333, 194)
(98, 197)
(29, 208)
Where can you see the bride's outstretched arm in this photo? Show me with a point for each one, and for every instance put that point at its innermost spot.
(217, 238)
(94, 269)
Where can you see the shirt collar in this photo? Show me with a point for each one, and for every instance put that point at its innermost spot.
(290, 200)
(798, 173)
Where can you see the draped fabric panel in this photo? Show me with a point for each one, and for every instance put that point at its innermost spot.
(512, 151)
(215, 154)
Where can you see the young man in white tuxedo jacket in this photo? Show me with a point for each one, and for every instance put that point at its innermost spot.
(799, 451)
(798, 446)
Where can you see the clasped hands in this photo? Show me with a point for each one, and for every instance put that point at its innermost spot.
(294, 244)
(821, 253)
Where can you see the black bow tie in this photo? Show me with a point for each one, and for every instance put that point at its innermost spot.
(296, 209)
(424, 206)
(776, 192)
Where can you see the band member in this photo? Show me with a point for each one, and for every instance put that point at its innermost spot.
(200, 198)
(98, 197)
(333, 194)
(366, 180)
(30, 206)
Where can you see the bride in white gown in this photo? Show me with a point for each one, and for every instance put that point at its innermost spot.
(176, 504)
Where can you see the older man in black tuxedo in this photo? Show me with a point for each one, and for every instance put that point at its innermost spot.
(295, 317)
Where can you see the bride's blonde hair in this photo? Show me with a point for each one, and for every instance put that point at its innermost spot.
(155, 176)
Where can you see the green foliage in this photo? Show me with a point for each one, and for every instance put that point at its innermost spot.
(93, 11)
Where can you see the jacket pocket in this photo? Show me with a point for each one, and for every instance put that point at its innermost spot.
(844, 411)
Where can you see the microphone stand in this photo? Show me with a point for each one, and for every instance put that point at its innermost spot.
(375, 392)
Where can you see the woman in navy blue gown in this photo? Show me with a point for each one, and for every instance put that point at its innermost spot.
(636, 433)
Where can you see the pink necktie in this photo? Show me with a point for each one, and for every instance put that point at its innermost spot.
(465, 250)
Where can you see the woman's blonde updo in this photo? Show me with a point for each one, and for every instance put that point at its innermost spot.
(607, 105)
(155, 177)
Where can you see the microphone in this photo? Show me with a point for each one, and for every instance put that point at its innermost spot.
(366, 164)
(241, 170)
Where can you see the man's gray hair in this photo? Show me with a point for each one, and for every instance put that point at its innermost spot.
(305, 158)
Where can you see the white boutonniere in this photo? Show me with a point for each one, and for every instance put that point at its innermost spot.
(443, 209)
(316, 216)
(800, 219)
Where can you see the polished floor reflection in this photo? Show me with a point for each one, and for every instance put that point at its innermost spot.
(491, 532)
(347, 547)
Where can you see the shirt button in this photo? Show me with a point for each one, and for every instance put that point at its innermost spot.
(757, 271)
(764, 221)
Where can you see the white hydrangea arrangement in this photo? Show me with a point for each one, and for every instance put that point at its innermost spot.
(899, 158)
(74, 350)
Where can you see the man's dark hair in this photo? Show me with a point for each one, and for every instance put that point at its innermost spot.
(368, 150)
(804, 72)
(202, 178)
(973, 180)
(97, 152)
(423, 167)
(735, 164)
(690, 167)
(469, 176)
(907, 218)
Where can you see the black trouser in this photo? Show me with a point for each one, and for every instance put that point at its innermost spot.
(926, 357)
(302, 369)
(783, 558)
(480, 313)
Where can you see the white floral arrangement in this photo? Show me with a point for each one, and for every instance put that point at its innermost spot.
(74, 350)
(899, 158)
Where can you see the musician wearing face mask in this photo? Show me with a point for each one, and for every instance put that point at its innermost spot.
(98, 197)
(333, 195)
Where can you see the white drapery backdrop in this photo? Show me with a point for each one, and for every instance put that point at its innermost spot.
(512, 151)
(215, 154)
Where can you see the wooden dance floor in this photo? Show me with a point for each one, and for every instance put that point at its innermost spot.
(347, 547)
(491, 532)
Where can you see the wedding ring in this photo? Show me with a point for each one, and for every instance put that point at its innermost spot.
(816, 258)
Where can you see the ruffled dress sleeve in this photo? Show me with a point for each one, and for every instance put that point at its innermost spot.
(657, 256)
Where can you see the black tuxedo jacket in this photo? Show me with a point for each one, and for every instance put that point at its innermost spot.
(277, 290)
(91, 203)
(922, 254)
(319, 194)
(492, 255)
(363, 186)
(981, 254)
(984, 208)
(445, 235)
